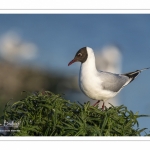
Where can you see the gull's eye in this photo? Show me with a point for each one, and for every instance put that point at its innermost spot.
(80, 54)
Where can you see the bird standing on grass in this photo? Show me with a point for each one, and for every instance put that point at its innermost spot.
(99, 85)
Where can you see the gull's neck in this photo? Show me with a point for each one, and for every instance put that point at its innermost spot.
(89, 66)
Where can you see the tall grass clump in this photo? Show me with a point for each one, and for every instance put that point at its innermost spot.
(51, 115)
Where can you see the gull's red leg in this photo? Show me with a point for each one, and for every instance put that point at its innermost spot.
(103, 106)
(96, 103)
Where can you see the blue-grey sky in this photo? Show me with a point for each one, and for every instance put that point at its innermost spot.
(58, 37)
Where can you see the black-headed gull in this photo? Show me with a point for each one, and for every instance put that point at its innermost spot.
(99, 85)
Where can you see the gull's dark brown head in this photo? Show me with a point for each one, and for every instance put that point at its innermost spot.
(81, 56)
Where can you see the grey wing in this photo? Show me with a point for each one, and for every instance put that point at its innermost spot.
(113, 82)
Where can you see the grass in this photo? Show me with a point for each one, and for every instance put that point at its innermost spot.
(49, 114)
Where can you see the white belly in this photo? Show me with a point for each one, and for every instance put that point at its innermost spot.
(92, 88)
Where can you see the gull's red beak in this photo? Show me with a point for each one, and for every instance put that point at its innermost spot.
(72, 61)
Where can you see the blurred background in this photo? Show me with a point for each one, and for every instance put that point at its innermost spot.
(35, 50)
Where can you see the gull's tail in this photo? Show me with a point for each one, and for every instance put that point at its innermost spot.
(134, 74)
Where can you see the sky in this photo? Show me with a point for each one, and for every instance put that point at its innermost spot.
(55, 38)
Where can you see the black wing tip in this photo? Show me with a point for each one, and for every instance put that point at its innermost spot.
(134, 74)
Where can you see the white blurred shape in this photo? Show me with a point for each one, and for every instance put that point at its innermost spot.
(109, 59)
(14, 49)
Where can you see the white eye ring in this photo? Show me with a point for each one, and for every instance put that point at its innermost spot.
(79, 54)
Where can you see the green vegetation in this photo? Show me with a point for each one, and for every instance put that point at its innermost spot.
(47, 114)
